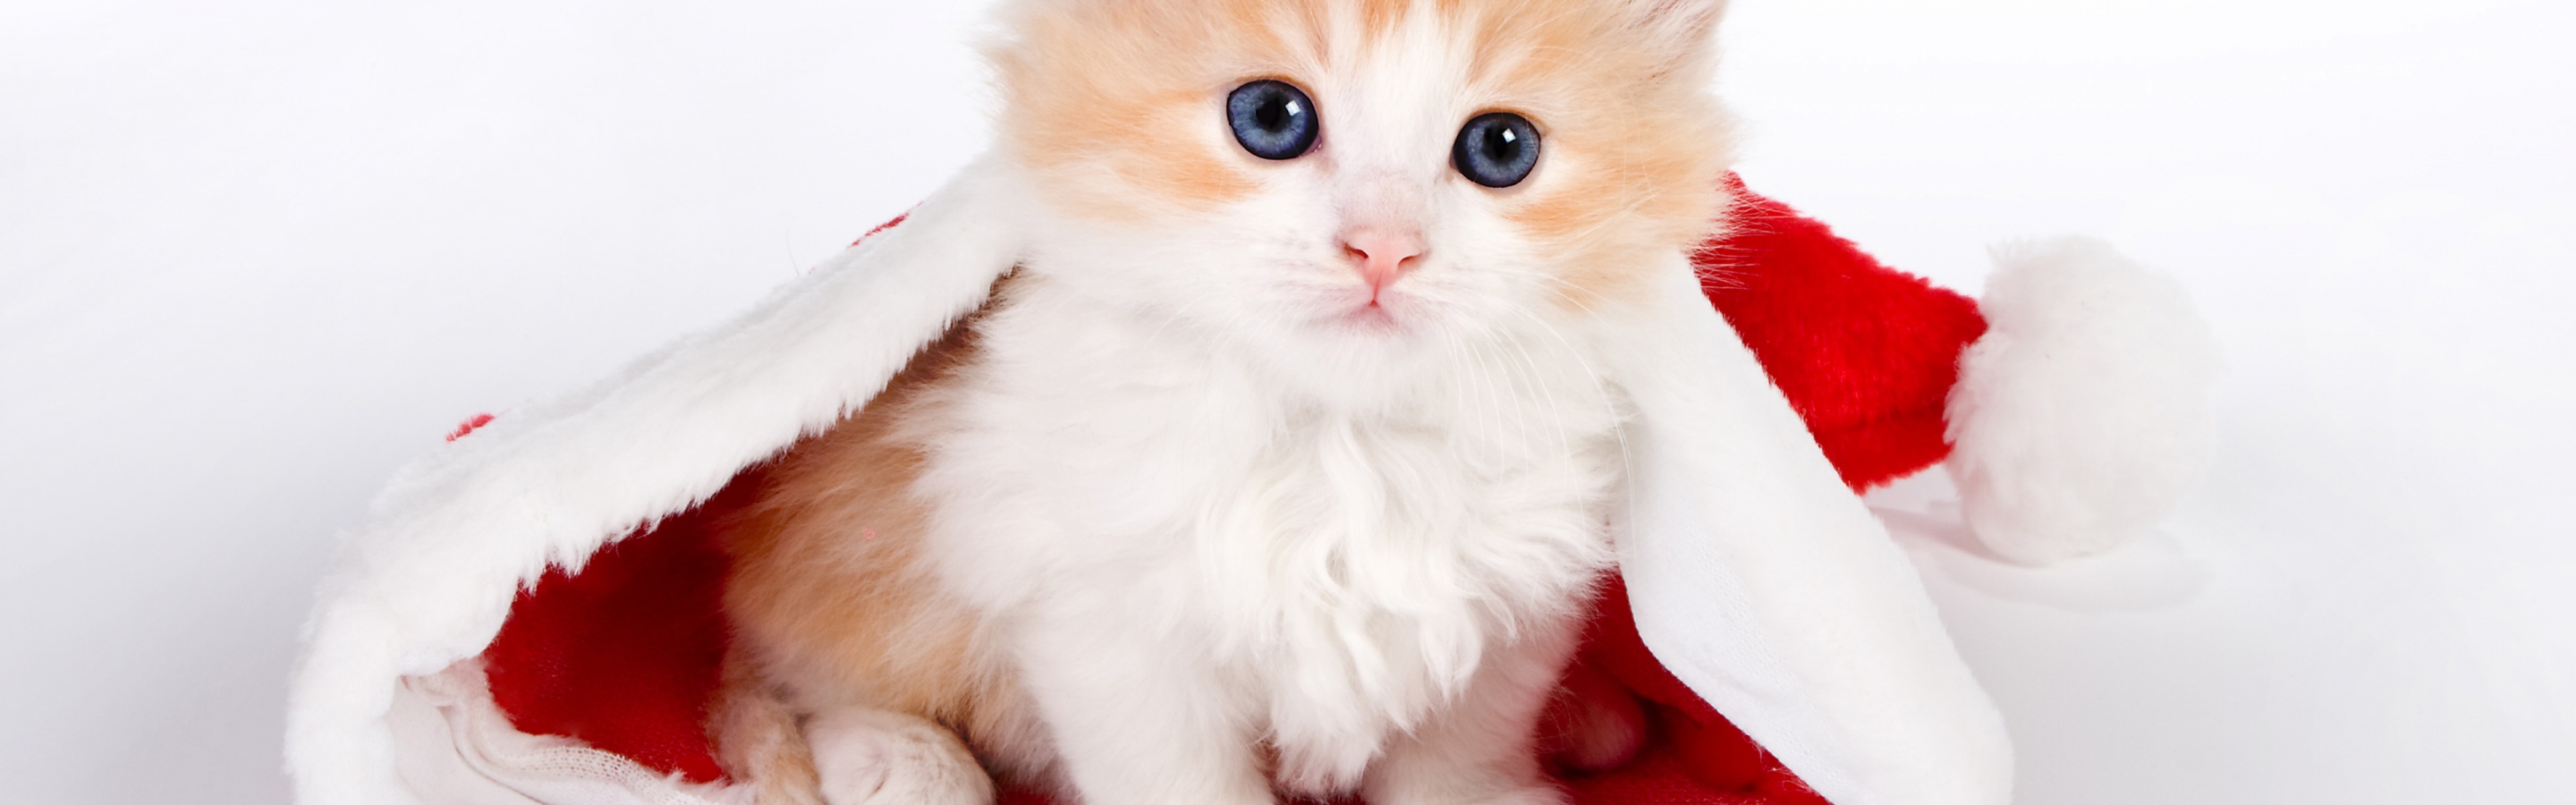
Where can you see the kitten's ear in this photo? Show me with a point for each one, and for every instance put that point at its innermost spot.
(1684, 31)
(1681, 27)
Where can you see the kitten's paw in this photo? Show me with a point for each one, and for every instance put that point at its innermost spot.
(873, 757)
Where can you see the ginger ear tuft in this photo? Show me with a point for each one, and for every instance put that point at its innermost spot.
(1683, 32)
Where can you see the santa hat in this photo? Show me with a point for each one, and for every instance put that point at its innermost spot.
(532, 613)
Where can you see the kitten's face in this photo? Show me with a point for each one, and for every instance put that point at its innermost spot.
(1289, 175)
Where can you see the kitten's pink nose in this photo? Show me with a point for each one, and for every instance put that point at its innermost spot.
(1382, 255)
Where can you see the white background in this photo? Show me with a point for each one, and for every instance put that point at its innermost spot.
(255, 254)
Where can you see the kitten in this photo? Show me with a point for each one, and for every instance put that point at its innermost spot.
(1280, 464)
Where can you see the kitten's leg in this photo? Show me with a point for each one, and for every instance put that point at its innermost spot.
(841, 756)
(1484, 749)
(1136, 721)
(758, 741)
(865, 756)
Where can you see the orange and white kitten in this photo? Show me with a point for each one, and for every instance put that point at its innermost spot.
(1280, 464)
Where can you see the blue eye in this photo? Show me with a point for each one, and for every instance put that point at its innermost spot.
(1496, 149)
(1272, 119)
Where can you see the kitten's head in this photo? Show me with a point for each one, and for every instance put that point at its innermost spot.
(1346, 186)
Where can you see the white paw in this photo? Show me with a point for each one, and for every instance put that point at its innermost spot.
(873, 757)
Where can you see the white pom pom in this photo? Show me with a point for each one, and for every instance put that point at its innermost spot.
(2084, 412)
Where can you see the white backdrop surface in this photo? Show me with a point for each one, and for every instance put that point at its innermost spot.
(253, 255)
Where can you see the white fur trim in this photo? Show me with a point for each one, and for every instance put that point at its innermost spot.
(455, 746)
(429, 579)
(2084, 413)
(1762, 582)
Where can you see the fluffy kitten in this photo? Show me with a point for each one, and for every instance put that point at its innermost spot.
(1280, 463)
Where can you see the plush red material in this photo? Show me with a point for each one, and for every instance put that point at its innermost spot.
(624, 653)
(1865, 352)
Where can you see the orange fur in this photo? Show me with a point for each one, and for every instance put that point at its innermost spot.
(1623, 117)
(1380, 16)
(829, 603)
(1121, 88)
(758, 739)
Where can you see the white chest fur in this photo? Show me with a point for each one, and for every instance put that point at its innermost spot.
(1335, 573)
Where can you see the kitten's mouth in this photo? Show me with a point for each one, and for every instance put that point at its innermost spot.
(1372, 318)
(1365, 312)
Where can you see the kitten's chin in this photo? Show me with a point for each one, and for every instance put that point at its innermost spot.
(1360, 358)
